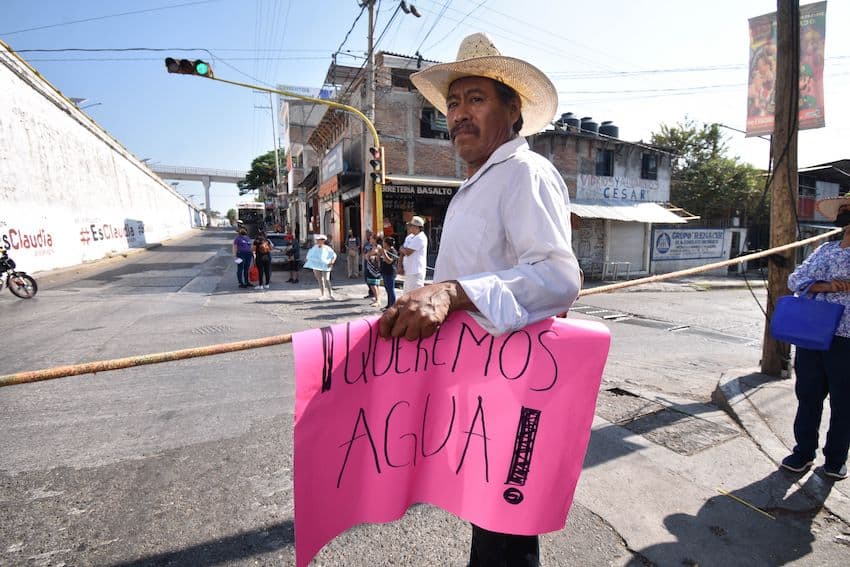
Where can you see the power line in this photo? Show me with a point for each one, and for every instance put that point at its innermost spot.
(118, 59)
(436, 21)
(71, 22)
(451, 31)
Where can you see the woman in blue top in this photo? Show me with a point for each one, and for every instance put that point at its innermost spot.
(243, 250)
(320, 259)
(822, 372)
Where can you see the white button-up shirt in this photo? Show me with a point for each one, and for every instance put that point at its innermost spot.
(506, 240)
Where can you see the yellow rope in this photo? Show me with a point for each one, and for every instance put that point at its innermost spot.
(745, 503)
(117, 364)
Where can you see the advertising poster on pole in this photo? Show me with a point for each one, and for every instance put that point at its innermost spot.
(762, 70)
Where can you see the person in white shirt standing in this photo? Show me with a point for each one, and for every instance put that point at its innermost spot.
(505, 252)
(414, 252)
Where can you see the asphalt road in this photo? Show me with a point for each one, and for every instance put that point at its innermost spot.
(189, 463)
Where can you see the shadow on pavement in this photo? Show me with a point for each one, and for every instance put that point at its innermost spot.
(744, 535)
(220, 551)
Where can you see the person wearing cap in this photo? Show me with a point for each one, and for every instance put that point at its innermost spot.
(505, 253)
(320, 259)
(414, 252)
(822, 372)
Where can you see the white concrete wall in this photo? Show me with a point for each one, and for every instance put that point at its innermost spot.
(69, 192)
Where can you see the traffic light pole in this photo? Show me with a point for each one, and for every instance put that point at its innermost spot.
(369, 125)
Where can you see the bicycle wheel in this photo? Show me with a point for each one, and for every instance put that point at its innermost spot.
(23, 286)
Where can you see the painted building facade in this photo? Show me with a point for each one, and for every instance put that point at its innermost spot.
(69, 192)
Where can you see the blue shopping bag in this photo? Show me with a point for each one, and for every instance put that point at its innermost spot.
(805, 322)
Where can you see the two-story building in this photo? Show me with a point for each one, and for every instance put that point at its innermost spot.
(619, 190)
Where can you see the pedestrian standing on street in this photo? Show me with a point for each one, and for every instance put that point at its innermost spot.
(293, 253)
(320, 259)
(262, 248)
(822, 372)
(507, 274)
(352, 255)
(373, 269)
(242, 251)
(414, 252)
(366, 247)
(389, 257)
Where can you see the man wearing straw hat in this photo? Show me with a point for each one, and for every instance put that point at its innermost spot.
(825, 272)
(505, 254)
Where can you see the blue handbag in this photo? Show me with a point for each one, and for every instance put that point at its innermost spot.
(805, 322)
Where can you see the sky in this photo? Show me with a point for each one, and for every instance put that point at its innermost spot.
(638, 63)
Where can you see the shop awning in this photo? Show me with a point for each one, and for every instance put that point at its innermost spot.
(629, 212)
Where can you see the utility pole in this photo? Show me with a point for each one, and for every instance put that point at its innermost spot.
(275, 140)
(276, 162)
(783, 187)
(371, 218)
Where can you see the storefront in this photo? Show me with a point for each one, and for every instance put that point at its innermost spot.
(616, 238)
(427, 197)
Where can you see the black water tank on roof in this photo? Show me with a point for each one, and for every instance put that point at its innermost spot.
(589, 126)
(607, 128)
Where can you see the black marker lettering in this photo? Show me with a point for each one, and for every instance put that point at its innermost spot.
(552, 356)
(526, 433)
(375, 357)
(363, 356)
(327, 357)
(483, 435)
(434, 349)
(527, 354)
(397, 343)
(424, 353)
(463, 330)
(425, 421)
(387, 435)
(361, 415)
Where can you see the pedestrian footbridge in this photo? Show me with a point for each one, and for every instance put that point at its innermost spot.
(202, 174)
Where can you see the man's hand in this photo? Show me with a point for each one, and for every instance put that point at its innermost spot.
(420, 313)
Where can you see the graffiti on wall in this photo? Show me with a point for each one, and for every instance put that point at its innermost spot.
(37, 240)
(133, 231)
(594, 187)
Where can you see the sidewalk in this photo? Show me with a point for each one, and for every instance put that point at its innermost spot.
(765, 408)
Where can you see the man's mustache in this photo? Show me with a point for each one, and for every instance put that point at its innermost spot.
(463, 127)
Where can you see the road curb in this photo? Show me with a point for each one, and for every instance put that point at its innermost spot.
(732, 398)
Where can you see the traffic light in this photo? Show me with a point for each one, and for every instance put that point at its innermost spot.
(377, 162)
(187, 67)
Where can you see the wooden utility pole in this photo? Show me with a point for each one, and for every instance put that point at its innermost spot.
(783, 187)
(371, 219)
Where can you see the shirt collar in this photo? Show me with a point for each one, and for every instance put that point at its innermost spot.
(502, 153)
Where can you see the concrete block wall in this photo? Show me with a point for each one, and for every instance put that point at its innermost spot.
(69, 192)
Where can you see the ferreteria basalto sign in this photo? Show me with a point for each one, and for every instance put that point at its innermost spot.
(486, 427)
(418, 190)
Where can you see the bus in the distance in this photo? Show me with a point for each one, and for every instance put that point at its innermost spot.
(251, 216)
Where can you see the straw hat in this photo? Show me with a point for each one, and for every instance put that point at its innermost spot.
(478, 57)
(417, 221)
(319, 237)
(829, 207)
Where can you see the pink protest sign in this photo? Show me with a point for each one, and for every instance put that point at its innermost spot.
(491, 429)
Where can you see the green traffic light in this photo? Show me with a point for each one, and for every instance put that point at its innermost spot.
(202, 68)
